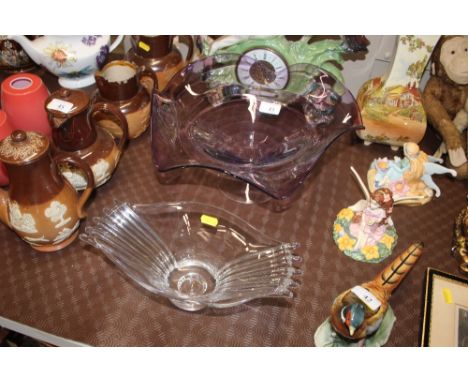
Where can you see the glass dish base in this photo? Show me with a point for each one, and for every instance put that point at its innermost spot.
(192, 278)
(240, 191)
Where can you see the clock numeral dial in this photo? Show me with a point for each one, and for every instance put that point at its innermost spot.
(263, 67)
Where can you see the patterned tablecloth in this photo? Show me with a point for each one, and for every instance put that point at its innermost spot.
(77, 294)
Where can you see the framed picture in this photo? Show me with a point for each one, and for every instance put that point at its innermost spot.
(445, 316)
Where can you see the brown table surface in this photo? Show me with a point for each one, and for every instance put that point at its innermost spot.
(76, 294)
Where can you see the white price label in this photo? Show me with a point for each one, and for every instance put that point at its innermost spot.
(366, 297)
(60, 105)
(270, 108)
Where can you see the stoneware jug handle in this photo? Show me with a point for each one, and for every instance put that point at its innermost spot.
(108, 108)
(148, 75)
(116, 43)
(188, 40)
(78, 162)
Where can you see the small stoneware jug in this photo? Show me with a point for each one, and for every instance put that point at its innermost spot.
(129, 88)
(40, 205)
(75, 130)
(159, 54)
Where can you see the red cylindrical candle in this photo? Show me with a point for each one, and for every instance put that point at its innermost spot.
(23, 98)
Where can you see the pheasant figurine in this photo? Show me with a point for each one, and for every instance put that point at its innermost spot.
(358, 312)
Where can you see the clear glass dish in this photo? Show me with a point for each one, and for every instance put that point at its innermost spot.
(194, 254)
(270, 138)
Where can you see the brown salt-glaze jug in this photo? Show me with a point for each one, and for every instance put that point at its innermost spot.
(40, 205)
(129, 88)
(75, 130)
(159, 54)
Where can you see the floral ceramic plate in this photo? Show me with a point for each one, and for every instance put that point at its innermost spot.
(378, 246)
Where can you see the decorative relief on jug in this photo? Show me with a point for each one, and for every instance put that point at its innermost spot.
(19, 221)
(101, 170)
(65, 233)
(55, 212)
(35, 240)
(76, 179)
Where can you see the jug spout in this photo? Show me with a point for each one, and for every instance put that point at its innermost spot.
(28, 46)
(3, 207)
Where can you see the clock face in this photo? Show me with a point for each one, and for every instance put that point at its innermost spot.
(263, 67)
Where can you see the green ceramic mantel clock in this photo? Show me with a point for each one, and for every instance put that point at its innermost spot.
(265, 60)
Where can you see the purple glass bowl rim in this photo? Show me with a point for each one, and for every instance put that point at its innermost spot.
(358, 125)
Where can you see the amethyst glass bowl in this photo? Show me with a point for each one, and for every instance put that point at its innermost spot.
(269, 138)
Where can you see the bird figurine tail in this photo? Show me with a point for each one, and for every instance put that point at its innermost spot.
(393, 275)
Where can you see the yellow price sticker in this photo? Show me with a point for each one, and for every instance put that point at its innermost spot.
(447, 293)
(209, 220)
(144, 46)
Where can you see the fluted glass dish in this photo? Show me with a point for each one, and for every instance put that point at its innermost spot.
(270, 138)
(194, 254)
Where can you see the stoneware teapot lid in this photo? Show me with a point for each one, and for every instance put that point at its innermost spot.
(67, 103)
(22, 147)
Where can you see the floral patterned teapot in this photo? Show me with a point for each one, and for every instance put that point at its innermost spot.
(40, 206)
(74, 59)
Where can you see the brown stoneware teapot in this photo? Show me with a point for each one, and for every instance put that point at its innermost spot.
(129, 88)
(75, 130)
(159, 54)
(40, 205)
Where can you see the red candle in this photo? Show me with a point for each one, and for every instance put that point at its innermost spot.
(23, 98)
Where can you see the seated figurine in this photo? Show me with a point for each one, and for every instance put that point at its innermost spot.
(365, 230)
(371, 218)
(410, 176)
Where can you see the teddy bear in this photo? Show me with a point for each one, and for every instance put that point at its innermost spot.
(445, 100)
